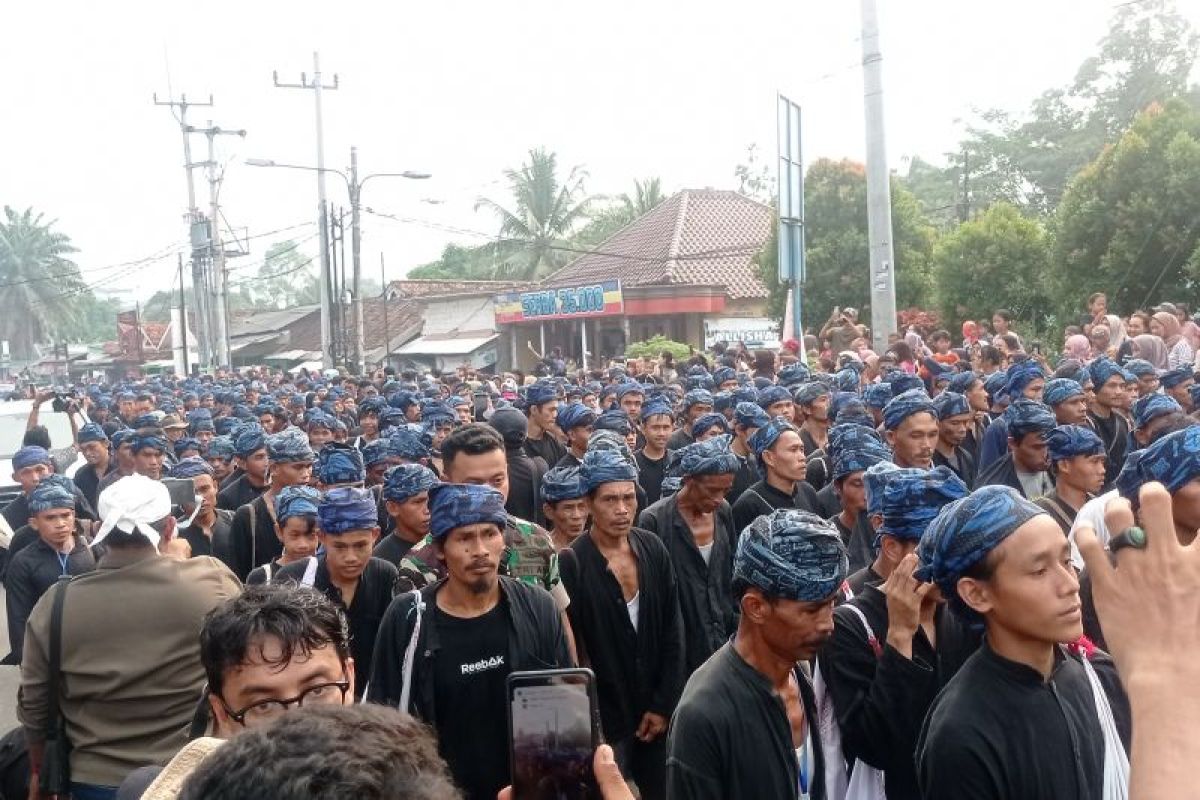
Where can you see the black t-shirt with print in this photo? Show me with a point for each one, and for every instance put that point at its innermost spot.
(470, 699)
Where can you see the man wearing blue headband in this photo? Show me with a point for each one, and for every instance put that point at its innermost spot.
(747, 724)
(475, 454)
(696, 404)
(855, 449)
(56, 549)
(780, 454)
(696, 524)
(250, 465)
(345, 571)
(1178, 383)
(1027, 464)
(1002, 563)
(564, 504)
(296, 527)
(657, 424)
(209, 531)
(575, 420)
(812, 404)
(625, 614)
(542, 437)
(911, 426)
(445, 651)
(1105, 414)
(894, 644)
(31, 464)
(1077, 464)
(1024, 380)
(747, 419)
(406, 496)
(631, 396)
(252, 535)
(955, 420)
(94, 447)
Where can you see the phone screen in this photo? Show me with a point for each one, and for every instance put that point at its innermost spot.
(554, 729)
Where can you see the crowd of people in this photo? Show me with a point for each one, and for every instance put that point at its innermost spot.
(857, 575)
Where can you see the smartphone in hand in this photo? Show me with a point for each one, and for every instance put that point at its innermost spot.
(553, 730)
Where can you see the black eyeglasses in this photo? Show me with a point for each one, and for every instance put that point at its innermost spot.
(323, 694)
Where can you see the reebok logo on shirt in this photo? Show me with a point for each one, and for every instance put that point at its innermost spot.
(483, 665)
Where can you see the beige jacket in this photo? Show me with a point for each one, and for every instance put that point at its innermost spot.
(131, 674)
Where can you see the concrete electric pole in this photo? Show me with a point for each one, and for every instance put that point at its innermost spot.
(218, 302)
(322, 221)
(196, 226)
(879, 198)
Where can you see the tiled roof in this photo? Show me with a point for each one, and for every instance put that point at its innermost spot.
(696, 237)
(437, 287)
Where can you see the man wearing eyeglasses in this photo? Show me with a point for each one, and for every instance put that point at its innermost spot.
(272, 649)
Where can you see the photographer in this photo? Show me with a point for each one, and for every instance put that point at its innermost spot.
(63, 457)
(841, 329)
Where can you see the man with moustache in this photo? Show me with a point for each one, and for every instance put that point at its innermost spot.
(445, 651)
(746, 725)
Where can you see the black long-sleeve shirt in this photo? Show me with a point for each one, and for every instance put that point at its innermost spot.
(32, 571)
(636, 670)
(1113, 430)
(371, 599)
(706, 602)
(746, 476)
(238, 493)
(252, 539)
(1000, 731)
(651, 474)
(763, 498)
(731, 738)
(880, 698)
(525, 485)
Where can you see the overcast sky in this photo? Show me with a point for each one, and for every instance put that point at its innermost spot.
(463, 90)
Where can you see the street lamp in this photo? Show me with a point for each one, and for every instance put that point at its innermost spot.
(354, 189)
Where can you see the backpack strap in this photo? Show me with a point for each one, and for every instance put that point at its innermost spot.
(876, 647)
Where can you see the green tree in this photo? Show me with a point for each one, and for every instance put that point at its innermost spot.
(460, 263)
(286, 278)
(545, 213)
(606, 219)
(1146, 57)
(837, 256)
(997, 260)
(40, 286)
(755, 178)
(1130, 223)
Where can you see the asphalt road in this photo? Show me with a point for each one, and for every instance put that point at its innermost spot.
(10, 679)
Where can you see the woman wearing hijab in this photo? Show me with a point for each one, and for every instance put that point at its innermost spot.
(1101, 338)
(1180, 352)
(1149, 347)
(1078, 347)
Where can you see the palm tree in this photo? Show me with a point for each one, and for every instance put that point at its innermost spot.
(39, 285)
(544, 214)
(646, 195)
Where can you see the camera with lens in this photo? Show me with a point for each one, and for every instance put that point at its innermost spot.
(64, 402)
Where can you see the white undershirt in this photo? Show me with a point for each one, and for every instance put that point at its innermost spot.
(706, 552)
(632, 606)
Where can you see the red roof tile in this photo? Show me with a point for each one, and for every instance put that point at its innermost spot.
(696, 237)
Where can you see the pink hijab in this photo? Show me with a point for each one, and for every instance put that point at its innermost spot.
(1079, 348)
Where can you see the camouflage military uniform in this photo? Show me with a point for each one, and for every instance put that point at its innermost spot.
(529, 556)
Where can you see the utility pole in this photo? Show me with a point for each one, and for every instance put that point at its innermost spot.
(317, 88)
(879, 199)
(196, 227)
(360, 352)
(218, 303)
(387, 335)
(183, 326)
